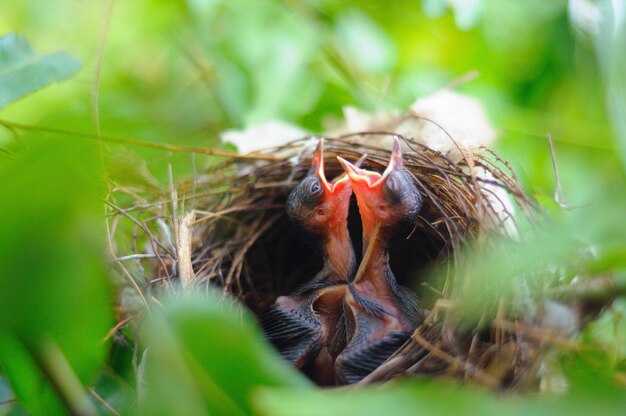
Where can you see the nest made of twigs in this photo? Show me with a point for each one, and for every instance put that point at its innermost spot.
(232, 232)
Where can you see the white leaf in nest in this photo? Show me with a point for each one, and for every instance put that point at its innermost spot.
(445, 117)
(442, 121)
(360, 121)
(263, 136)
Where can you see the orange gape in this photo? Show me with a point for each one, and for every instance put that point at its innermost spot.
(334, 329)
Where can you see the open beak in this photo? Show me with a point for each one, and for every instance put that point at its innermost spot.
(358, 175)
(369, 186)
(366, 179)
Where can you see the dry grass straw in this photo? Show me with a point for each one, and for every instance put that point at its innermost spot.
(228, 228)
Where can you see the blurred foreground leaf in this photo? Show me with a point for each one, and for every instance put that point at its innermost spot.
(584, 243)
(23, 72)
(429, 398)
(56, 306)
(205, 356)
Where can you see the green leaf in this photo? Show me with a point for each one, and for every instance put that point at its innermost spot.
(53, 323)
(205, 355)
(22, 71)
(428, 398)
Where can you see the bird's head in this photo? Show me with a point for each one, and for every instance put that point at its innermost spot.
(388, 199)
(316, 204)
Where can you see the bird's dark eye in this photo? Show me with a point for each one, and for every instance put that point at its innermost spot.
(309, 192)
(315, 187)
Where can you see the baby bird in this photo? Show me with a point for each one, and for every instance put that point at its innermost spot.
(380, 315)
(306, 326)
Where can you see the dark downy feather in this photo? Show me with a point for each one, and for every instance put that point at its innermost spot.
(294, 334)
(408, 301)
(354, 364)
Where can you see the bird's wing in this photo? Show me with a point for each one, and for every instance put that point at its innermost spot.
(359, 359)
(295, 334)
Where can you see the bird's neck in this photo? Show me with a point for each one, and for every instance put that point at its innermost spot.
(374, 273)
(339, 257)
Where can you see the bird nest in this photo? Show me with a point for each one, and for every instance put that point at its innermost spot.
(228, 228)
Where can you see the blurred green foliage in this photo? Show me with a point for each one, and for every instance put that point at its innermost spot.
(56, 306)
(182, 71)
(427, 397)
(213, 350)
